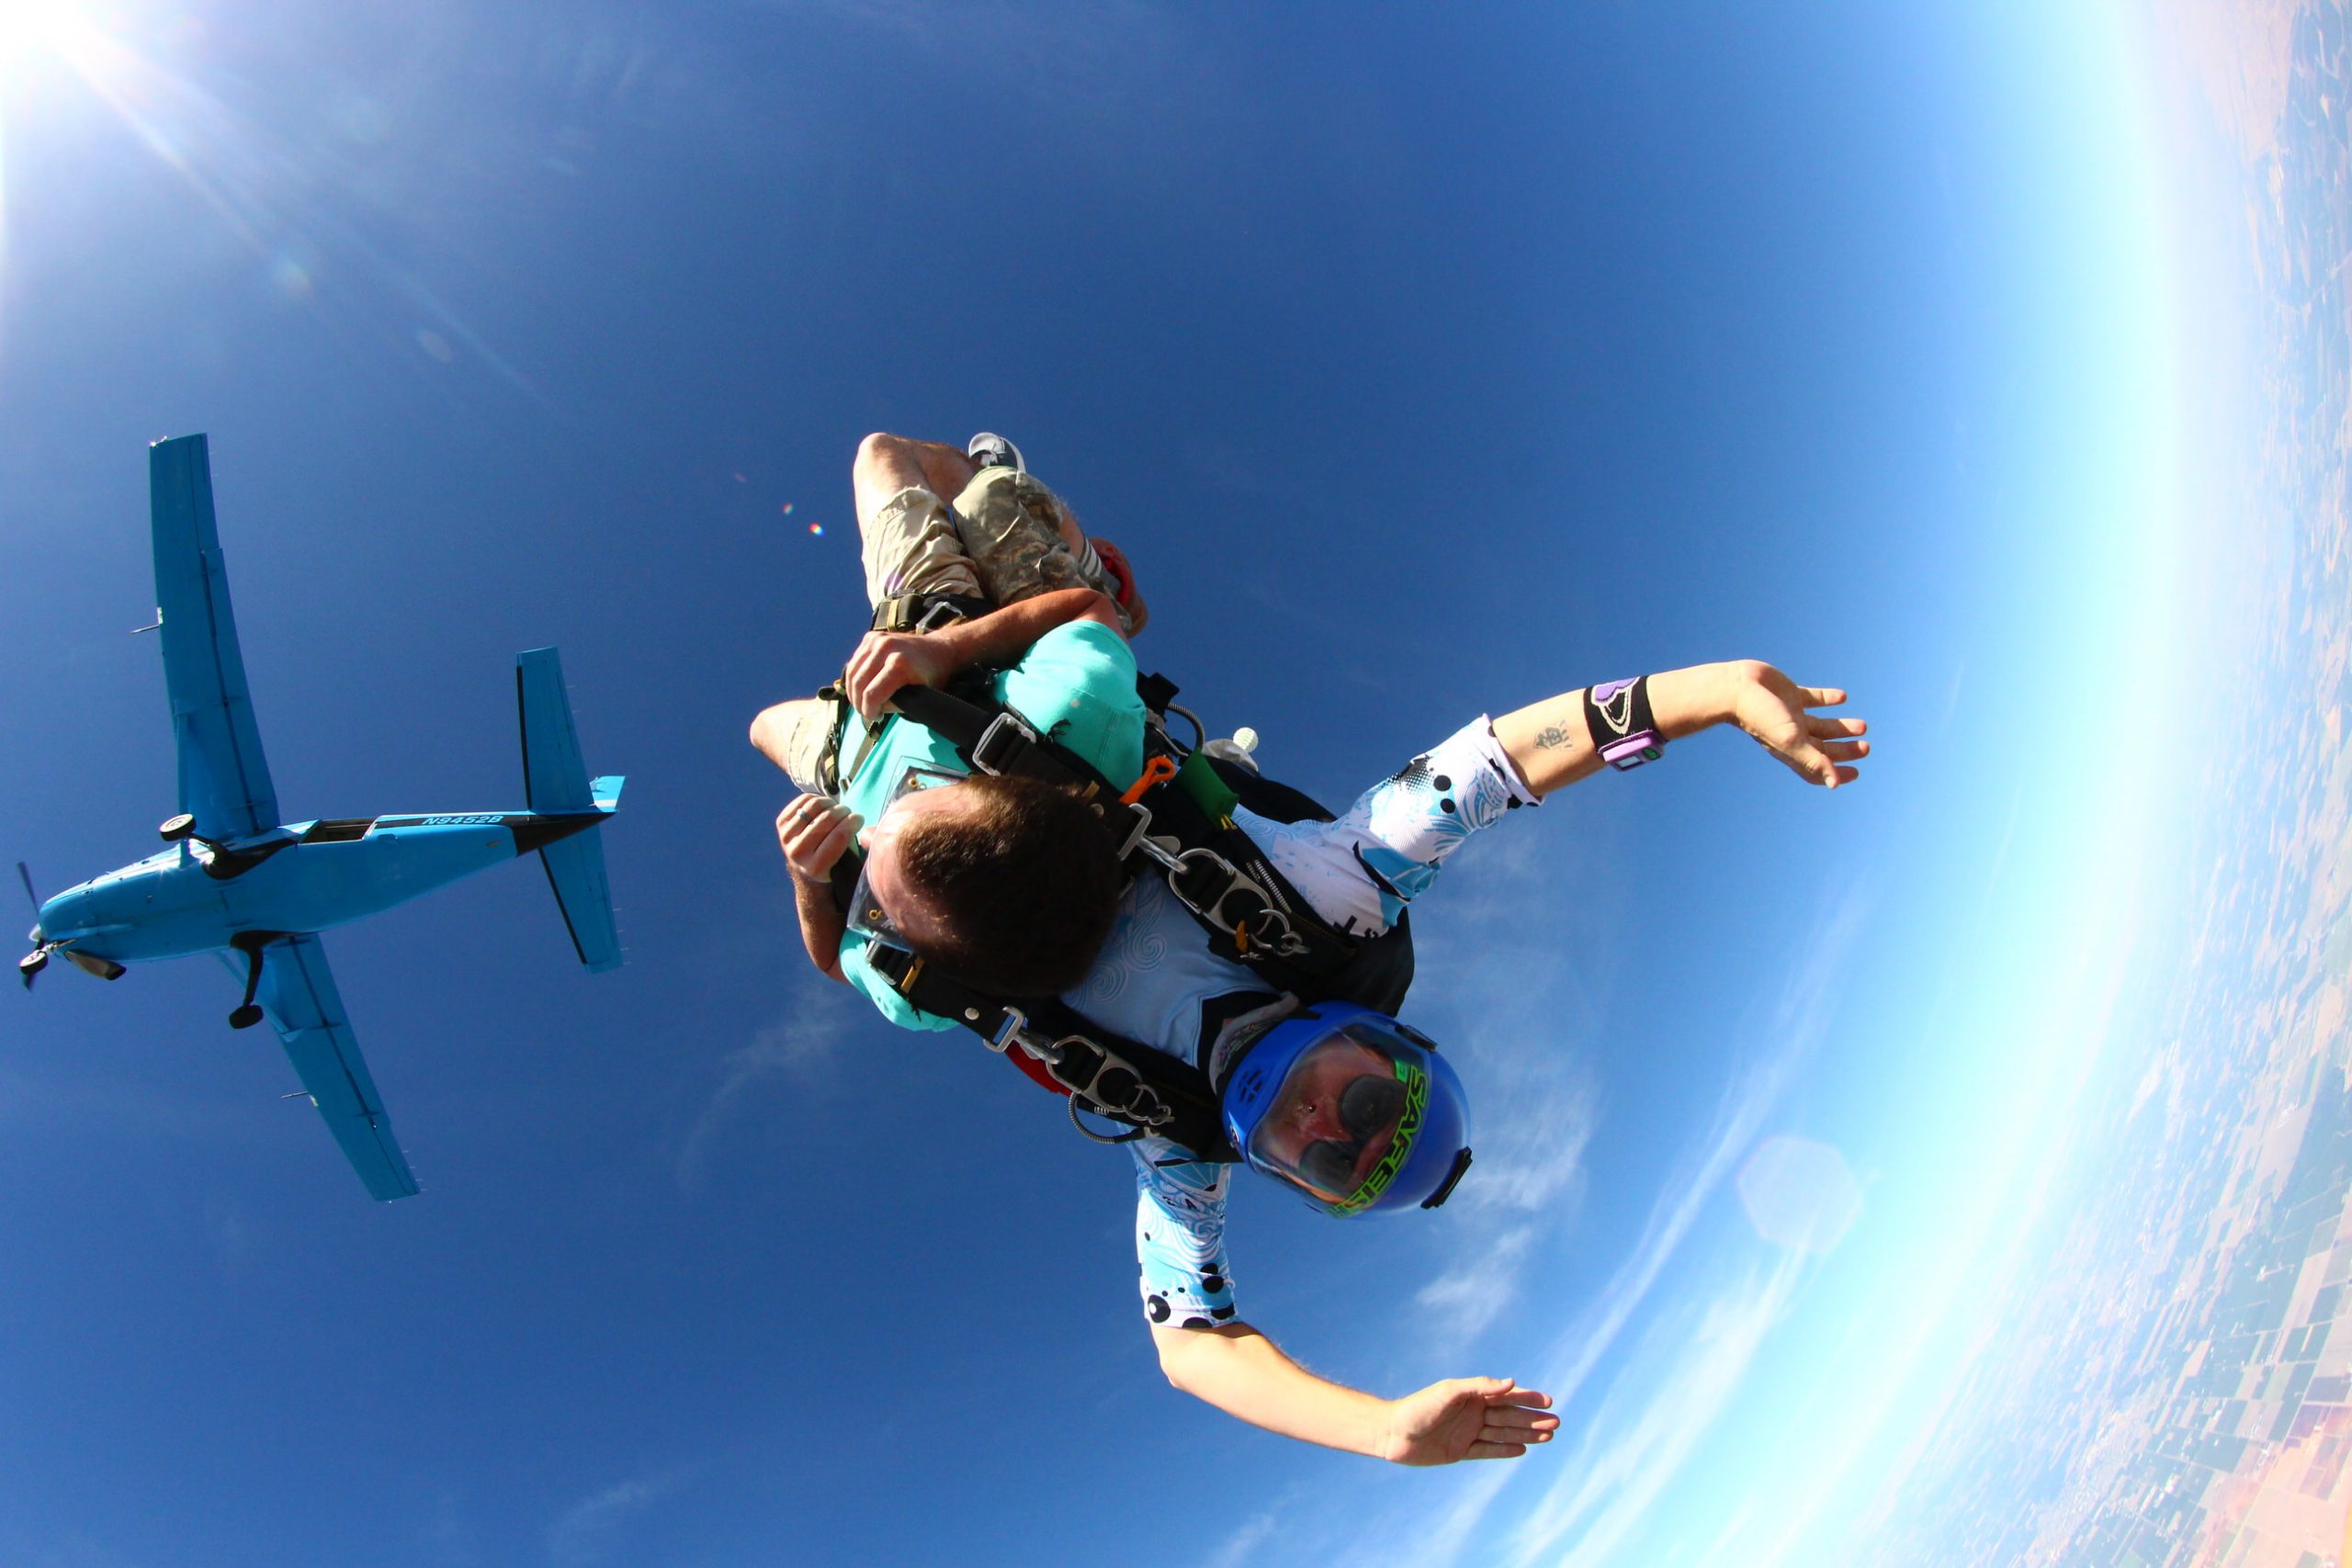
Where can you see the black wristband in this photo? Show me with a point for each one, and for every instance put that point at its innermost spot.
(1616, 709)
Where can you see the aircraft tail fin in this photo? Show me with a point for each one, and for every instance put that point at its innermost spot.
(556, 783)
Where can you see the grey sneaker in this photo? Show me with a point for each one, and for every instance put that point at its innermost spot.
(991, 450)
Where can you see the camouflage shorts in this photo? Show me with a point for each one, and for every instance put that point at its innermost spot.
(1003, 539)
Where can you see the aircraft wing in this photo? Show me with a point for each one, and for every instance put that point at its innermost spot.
(224, 780)
(298, 991)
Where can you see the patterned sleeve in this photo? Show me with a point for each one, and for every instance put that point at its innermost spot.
(1360, 872)
(1180, 1235)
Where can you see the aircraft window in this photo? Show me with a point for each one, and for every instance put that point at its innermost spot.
(338, 829)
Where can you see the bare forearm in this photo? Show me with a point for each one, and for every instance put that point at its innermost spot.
(1552, 746)
(1245, 1374)
(821, 925)
(1003, 635)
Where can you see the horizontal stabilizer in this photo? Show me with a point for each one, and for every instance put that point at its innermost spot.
(576, 872)
(556, 783)
(554, 778)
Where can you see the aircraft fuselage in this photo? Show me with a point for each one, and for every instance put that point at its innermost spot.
(304, 876)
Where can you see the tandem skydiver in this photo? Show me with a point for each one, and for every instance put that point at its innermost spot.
(1351, 1109)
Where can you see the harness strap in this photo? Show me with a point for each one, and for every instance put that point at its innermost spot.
(920, 611)
(1249, 909)
(1112, 1077)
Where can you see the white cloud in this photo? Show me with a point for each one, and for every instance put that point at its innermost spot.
(1653, 1421)
(1799, 1017)
(1466, 1298)
(799, 1045)
(1242, 1542)
(585, 1533)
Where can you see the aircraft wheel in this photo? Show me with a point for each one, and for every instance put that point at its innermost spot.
(174, 829)
(245, 1017)
(32, 964)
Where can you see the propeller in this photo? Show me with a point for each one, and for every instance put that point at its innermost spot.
(36, 961)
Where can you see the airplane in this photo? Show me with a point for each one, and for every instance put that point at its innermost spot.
(236, 880)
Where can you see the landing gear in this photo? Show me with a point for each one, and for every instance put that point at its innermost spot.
(250, 944)
(174, 829)
(30, 965)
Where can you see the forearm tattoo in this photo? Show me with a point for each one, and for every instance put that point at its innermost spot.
(1554, 738)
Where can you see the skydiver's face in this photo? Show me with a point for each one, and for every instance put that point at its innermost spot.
(1309, 1113)
(914, 917)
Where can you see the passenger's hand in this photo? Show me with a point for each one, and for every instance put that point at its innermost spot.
(1468, 1419)
(815, 834)
(1130, 597)
(887, 661)
(1817, 748)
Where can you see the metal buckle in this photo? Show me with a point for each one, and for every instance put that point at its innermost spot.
(1177, 864)
(1271, 930)
(1015, 1020)
(1145, 1108)
(1005, 722)
(944, 612)
(1138, 836)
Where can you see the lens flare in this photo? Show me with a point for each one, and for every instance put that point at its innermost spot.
(28, 25)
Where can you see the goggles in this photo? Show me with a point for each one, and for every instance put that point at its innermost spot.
(1344, 1120)
(867, 917)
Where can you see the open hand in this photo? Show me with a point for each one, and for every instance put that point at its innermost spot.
(1817, 748)
(1468, 1419)
(815, 832)
(887, 661)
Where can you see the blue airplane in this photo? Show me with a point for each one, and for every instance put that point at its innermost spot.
(235, 880)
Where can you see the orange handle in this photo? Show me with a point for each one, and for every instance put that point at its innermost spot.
(1159, 769)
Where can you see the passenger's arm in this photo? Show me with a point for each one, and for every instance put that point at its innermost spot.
(1553, 748)
(1244, 1374)
(815, 832)
(887, 661)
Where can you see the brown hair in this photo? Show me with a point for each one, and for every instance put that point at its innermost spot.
(1026, 882)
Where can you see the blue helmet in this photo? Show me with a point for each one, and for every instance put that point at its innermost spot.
(1354, 1109)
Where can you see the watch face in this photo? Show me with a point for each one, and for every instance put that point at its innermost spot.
(1633, 750)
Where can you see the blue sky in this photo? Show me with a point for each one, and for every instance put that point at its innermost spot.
(1423, 366)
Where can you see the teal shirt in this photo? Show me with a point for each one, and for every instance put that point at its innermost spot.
(1076, 684)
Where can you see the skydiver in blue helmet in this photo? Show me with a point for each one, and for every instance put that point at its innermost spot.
(1346, 1105)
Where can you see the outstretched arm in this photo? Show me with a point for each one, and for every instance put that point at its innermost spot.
(887, 661)
(1244, 1374)
(1553, 748)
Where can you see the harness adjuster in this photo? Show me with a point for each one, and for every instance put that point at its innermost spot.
(945, 613)
(1139, 833)
(1270, 932)
(1110, 1086)
(1205, 882)
(1008, 1029)
(1000, 745)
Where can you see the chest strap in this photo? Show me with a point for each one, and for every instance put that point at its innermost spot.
(1117, 1079)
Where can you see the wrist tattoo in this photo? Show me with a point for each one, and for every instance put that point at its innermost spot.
(1553, 737)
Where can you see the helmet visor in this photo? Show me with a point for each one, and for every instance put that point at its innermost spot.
(1344, 1118)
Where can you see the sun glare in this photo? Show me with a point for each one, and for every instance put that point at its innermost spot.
(26, 25)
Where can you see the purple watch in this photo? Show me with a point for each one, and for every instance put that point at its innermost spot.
(1618, 714)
